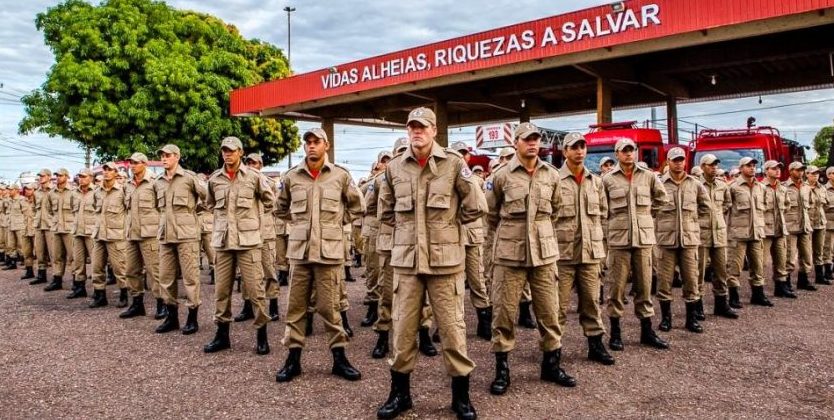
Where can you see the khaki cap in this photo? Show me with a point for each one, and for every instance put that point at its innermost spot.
(169, 148)
(746, 161)
(772, 164)
(524, 130)
(460, 146)
(573, 138)
(623, 143)
(231, 143)
(507, 151)
(86, 172)
(675, 153)
(423, 116)
(796, 165)
(709, 159)
(138, 157)
(45, 171)
(318, 132)
(829, 170)
(720, 172)
(31, 186)
(606, 159)
(696, 171)
(384, 154)
(477, 168)
(401, 143)
(493, 163)
(812, 169)
(254, 157)
(62, 171)
(110, 165)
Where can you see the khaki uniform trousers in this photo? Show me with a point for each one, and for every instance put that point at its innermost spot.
(777, 249)
(687, 260)
(799, 245)
(114, 254)
(585, 277)
(489, 244)
(143, 256)
(716, 257)
(281, 253)
(11, 243)
(270, 280)
(205, 244)
(22, 245)
(474, 270)
(638, 262)
(386, 287)
(817, 244)
(226, 265)
(736, 251)
(43, 247)
(507, 286)
(357, 239)
(827, 253)
(82, 249)
(372, 271)
(445, 294)
(3, 233)
(61, 253)
(325, 280)
(183, 257)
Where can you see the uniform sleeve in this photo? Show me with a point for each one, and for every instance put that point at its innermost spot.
(728, 200)
(372, 197)
(200, 188)
(282, 202)
(603, 205)
(704, 200)
(354, 202)
(555, 201)
(493, 192)
(473, 205)
(266, 194)
(210, 200)
(385, 200)
(659, 196)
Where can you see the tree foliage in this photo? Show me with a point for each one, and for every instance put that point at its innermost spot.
(822, 145)
(132, 75)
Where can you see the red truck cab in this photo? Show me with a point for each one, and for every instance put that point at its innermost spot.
(602, 138)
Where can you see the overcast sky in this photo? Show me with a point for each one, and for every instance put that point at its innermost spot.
(329, 32)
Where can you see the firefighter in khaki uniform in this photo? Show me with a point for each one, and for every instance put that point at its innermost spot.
(7, 250)
(43, 224)
(21, 225)
(816, 213)
(4, 222)
(581, 249)
(82, 232)
(109, 237)
(206, 226)
(239, 196)
(177, 193)
(679, 237)
(428, 193)
(746, 228)
(318, 197)
(142, 243)
(61, 199)
(799, 225)
(712, 254)
(633, 194)
(828, 248)
(776, 232)
(370, 234)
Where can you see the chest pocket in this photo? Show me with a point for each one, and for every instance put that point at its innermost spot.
(592, 197)
(146, 199)
(180, 199)
(245, 198)
(617, 198)
(220, 198)
(515, 199)
(330, 200)
(404, 200)
(742, 201)
(545, 195)
(644, 197)
(299, 200)
(568, 205)
(440, 194)
(160, 200)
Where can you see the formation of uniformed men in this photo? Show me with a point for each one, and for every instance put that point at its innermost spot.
(529, 235)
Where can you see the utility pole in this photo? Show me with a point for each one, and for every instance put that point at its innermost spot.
(289, 11)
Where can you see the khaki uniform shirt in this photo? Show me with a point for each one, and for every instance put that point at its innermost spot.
(370, 222)
(677, 223)
(280, 224)
(712, 223)
(4, 212)
(426, 206)
(829, 206)
(111, 210)
(474, 231)
(85, 213)
(796, 216)
(21, 215)
(776, 203)
(745, 222)
(630, 206)
(579, 217)
(239, 204)
(818, 203)
(318, 208)
(62, 202)
(177, 200)
(43, 209)
(143, 216)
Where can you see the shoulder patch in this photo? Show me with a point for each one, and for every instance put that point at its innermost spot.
(488, 186)
(465, 171)
(281, 185)
(343, 168)
(371, 187)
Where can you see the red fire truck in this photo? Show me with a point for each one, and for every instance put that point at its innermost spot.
(602, 138)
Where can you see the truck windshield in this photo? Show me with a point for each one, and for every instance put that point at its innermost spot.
(595, 155)
(729, 158)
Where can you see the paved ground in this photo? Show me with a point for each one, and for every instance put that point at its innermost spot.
(59, 359)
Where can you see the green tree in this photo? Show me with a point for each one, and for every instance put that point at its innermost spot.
(822, 145)
(132, 75)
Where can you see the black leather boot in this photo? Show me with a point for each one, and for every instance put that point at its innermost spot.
(371, 316)
(292, 366)
(648, 336)
(308, 327)
(501, 383)
(551, 370)
(829, 271)
(357, 260)
(722, 309)
(692, 324)
(122, 298)
(221, 339)
(346, 324)
(597, 352)
(802, 282)
(425, 345)
(461, 404)
(161, 309)
(211, 275)
(111, 277)
(246, 312)
(261, 341)
(40, 279)
(525, 318)
(780, 289)
(79, 290)
(665, 315)
(735, 301)
(55, 284)
(708, 274)
(788, 284)
(99, 299)
(758, 297)
(342, 367)
(191, 325)
(399, 399)
(615, 342)
(699, 310)
(283, 278)
(29, 273)
(137, 308)
(348, 276)
(484, 329)
(381, 348)
(820, 277)
(274, 313)
(172, 320)
(11, 264)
